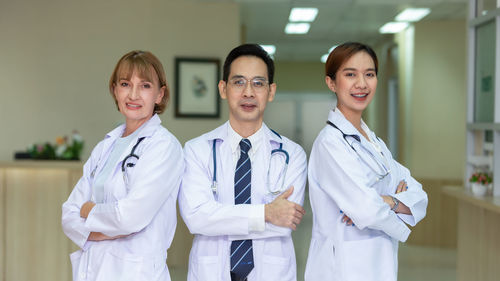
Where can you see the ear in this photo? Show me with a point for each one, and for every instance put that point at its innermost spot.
(160, 96)
(272, 92)
(331, 84)
(222, 89)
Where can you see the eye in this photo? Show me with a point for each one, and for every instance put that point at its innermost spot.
(124, 84)
(258, 83)
(371, 74)
(146, 85)
(239, 82)
(350, 74)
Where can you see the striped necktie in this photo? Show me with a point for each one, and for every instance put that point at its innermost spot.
(241, 250)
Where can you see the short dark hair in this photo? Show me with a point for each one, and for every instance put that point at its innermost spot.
(345, 51)
(249, 50)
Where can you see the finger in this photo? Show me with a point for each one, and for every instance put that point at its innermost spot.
(400, 187)
(287, 193)
(349, 222)
(298, 216)
(344, 218)
(300, 209)
(296, 221)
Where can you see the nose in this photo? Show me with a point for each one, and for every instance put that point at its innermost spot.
(133, 94)
(361, 82)
(248, 90)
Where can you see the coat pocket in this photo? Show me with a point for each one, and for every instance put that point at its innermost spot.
(207, 268)
(370, 259)
(75, 259)
(276, 268)
(123, 267)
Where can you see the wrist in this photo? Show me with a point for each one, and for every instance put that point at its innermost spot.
(395, 204)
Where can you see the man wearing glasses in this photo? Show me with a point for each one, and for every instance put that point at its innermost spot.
(243, 186)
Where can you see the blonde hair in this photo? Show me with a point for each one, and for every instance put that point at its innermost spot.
(141, 63)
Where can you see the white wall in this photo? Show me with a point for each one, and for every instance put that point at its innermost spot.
(56, 57)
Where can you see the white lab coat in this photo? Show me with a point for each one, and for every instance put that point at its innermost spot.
(339, 180)
(217, 222)
(145, 209)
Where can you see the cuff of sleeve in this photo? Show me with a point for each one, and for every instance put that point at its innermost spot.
(95, 219)
(408, 219)
(256, 221)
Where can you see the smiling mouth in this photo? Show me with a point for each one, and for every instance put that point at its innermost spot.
(133, 106)
(360, 97)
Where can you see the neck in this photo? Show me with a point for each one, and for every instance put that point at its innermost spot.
(352, 116)
(132, 125)
(245, 129)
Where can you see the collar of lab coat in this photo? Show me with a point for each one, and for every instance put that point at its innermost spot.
(337, 118)
(221, 133)
(145, 130)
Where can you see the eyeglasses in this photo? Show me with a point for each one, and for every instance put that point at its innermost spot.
(240, 83)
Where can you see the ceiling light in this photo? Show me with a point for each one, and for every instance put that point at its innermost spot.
(393, 27)
(324, 58)
(303, 14)
(270, 49)
(297, 28)
(332, 48)
(413, 14)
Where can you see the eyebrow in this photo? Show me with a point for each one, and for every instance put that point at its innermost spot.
(241, 76)
(354, 69)
(142, 80)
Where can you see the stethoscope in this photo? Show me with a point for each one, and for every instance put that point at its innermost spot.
(273, 191)
(381, 166)
(126, 163)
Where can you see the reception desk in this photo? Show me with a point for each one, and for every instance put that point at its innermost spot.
(33, 246)
(478, 252)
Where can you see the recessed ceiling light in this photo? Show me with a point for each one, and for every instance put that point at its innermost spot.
(413, 14)
(393, 27)
(332, 48)
(270, 49)
(303, 14)
(324, 58)
(297, 28)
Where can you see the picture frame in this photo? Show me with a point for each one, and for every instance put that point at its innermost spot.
(196, 87)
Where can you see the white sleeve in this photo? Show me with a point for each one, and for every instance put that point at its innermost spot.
(296, 176)
(72, 224)
(340, 175)
(156, 176)
(198, 207)
(414, 198)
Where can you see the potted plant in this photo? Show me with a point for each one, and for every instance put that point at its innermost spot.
(480, 182)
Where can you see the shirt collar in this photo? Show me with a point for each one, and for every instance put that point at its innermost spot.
(235, 138)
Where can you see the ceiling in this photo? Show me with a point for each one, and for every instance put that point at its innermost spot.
(338, 21)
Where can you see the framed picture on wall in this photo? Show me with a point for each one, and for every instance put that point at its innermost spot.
(196, 91)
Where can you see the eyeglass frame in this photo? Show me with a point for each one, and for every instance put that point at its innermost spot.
(247, 82)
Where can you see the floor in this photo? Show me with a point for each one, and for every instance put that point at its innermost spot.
(416, 263)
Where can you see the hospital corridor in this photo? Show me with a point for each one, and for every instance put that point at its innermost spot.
(136, 133)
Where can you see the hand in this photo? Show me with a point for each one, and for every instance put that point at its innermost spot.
(282, 212)
(388, 200)
(347, 220)
(98, 236)
(86, 208)
(401, 187)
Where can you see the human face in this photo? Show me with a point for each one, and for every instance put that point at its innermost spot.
(355, 83)
(136, 98)
(247, 103)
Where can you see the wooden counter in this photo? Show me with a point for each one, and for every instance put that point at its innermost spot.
(33, 246)
(478, 253)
